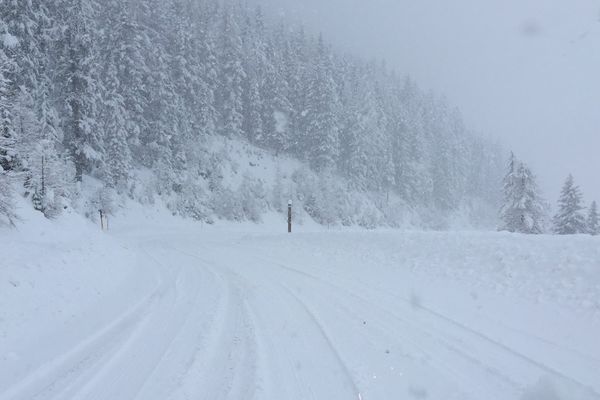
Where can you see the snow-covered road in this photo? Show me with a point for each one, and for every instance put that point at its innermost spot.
(327, 315)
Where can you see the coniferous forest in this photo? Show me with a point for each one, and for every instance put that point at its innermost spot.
(114, 91)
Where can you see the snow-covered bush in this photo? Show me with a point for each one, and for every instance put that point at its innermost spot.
(252, 198)
(191, 202)
(7, 206)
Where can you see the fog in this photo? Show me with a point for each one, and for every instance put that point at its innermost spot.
(524, 71)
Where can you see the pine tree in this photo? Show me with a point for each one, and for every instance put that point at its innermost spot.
(207, 116)
(593, 220)
(296, 70)
(232, 76)
(77, 71)
(124, 44)
(254, 65)
(40, 162)
(410, 147)
(523, 209)
(570, 220)
(277, 111)
(7, 215)
(509, 214)
(117, 155)
(158, 141)
(321, 144)
(19, 20)
(7, 97)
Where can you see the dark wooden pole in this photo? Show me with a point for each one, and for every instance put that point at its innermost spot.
(290, 216)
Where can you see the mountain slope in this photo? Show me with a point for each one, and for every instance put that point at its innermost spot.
(99, 89)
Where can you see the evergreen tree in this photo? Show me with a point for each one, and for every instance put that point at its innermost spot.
(208, 70)
(158, 140)
(117, 156)
(6, 146)
(570, 220)
(277, 112)
(321, 143)
(46, 177)
(509, 214)
(77, 63)
(523, 209)
(411, 159)
(7, 97)
(296, 71)
(593, 220)
(124, 44)
(364, 147)
(254, 65)
(19, 25)
(232, 77)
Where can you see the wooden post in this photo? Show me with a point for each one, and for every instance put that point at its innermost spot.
(290, 216)
(101, 219)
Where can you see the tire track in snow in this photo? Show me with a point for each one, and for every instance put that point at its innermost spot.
(276, 290)
(448, 369)
(65, 369)
(115, 362)
(442, 335)
(175, 357)
(328, 340)
(234, 340)
(96, 380)
(400, 335)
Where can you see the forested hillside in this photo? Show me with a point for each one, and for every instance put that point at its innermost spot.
(132, 95)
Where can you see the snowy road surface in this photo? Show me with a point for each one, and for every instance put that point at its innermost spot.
(216, 314)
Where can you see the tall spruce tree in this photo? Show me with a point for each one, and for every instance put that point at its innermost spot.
(593, 220)
(321, 143)
(124, 44)
(6, 144)
(523, 209)
(570, 219)
(232, 76)
(77, 71)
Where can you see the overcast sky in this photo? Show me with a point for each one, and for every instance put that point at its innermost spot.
(524, 71)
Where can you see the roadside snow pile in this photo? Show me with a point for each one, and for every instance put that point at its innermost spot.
(58, 280)
(556, 269)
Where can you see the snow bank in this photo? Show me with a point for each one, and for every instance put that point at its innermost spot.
(55, 275)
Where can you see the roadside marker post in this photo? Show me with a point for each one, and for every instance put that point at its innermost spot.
(290, 216)
(103, 220)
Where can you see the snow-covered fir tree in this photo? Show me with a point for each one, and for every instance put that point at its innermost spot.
(523, 207)
(321, 138)
(77, 63)
(593, 220)
(232, 75)
(570, 219)
(6, 144)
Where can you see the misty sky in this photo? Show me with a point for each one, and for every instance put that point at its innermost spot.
(525, 71)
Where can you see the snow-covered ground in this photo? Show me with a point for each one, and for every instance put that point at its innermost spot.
(162, 308)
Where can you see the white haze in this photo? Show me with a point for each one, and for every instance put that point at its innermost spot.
(524, 71)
